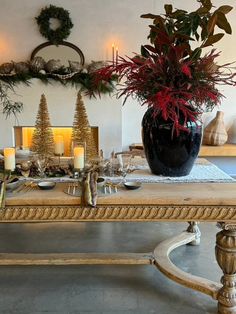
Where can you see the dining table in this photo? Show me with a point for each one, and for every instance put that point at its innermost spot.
(190, 202)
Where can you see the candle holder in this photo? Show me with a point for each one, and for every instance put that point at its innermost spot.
(59, 158)
(78, 174)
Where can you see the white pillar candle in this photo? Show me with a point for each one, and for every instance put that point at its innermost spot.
(59, 145)
(9, 159)
(79, 157)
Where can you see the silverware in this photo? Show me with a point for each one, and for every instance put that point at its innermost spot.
(20, 188)
(24, 187)
(69, 188)
(30, 187)
(73, 188)
(110, 187)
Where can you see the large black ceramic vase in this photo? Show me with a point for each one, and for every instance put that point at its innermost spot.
(169, 154)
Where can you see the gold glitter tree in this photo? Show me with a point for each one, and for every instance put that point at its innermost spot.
(42, 141)
(82, 132)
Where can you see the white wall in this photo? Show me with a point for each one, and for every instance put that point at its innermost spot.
(97, 24)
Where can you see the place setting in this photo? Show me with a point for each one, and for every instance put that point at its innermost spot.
(88, 179)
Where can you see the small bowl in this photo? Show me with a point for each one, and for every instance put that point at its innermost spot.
(100, 182)
(12, 185)
(132, 185)
(46, 185)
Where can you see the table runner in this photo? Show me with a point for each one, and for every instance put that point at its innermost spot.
(203, 171)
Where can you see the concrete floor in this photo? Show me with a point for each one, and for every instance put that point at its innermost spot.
(102, 289)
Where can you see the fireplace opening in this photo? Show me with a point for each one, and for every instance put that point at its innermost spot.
(23, 136)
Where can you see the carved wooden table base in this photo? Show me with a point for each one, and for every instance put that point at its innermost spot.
(226, 257)
(225, 242)
(163, 263)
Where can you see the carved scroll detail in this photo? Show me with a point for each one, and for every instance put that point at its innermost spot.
(118, 212)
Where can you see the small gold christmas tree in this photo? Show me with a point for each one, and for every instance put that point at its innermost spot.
(81, 132)
(42, 141)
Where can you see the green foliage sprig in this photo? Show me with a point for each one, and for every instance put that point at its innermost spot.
(171, 76)
(188, 27)
(9, 107)
(62, 32)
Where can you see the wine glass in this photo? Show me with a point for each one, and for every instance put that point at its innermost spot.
(42, 163)
(124, 161)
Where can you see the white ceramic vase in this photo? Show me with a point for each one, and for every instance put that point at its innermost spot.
(215, 133)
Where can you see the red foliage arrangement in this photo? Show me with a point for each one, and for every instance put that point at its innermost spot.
(169, 76)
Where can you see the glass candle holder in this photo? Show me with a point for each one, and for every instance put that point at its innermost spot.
(124, 161)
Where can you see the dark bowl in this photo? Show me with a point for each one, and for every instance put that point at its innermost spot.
(100, 182)
(13, 184)
(46, 185)
(132, 185)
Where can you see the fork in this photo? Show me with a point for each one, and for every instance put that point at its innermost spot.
(23, 187)
(30, 187)
(72, 188)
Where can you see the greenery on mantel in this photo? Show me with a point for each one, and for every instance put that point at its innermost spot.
(82, 80)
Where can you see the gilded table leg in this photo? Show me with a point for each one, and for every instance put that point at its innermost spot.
(226, 257)
(193, 228)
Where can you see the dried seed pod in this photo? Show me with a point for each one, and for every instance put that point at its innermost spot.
(42, 72)
(37, 64)
(21, 67)
(53, 65)
(6, 68)
(75, 66)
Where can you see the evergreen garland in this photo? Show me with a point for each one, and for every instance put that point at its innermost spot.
(62, 32)
(81, 80)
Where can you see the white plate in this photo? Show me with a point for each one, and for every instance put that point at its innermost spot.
(132, 185)
(46, 185)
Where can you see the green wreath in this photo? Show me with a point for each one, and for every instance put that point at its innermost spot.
(62, 32)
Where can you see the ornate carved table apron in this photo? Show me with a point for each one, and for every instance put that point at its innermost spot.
(190, 202)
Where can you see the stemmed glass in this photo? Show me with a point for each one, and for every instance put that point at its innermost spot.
(42, 163)
(124, 161)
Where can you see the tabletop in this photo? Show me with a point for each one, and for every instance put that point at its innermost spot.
(152, 202)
